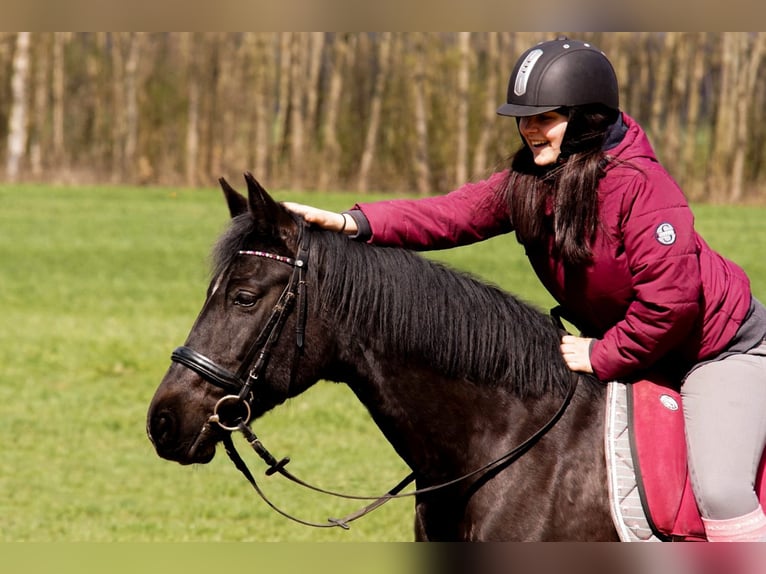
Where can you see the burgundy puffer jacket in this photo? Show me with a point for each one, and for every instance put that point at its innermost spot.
(654, 290)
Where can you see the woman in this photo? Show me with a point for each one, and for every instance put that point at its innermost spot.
(611, 236)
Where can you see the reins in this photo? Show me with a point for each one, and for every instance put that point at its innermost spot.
(241, 390)
(278, 466)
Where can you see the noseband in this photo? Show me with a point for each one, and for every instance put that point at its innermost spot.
(240, 385)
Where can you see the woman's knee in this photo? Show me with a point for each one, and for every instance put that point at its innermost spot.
(721, 496)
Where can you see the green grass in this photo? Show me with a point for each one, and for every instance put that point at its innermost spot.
(98, 286)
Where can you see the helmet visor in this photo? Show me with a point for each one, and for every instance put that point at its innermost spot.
(519, 111)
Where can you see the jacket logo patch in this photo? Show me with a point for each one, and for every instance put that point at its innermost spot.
(665, 234)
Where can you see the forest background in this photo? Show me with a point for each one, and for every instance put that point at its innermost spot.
(392, 112)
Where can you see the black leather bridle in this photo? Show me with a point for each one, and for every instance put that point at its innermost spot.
(240, 386)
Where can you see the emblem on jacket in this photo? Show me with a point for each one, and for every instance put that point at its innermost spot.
(665, 234)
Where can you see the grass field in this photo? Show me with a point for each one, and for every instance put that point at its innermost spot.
(98, 286)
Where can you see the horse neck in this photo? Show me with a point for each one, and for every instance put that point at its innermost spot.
(441, 426)
(427, 399)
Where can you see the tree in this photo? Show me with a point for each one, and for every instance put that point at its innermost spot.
(191, 60)
(753, 48)
(17, 122)
(330, 146)
(420, 112)
(463, 79)
(353, 110)
(376, 101)
(489, 116)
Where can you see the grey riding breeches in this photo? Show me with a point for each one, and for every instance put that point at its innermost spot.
(725, 412)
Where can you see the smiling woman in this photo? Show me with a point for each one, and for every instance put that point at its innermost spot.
(544, 134)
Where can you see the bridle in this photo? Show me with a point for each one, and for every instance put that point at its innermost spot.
(240, 387)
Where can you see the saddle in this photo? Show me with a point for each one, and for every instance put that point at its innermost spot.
(650, 490)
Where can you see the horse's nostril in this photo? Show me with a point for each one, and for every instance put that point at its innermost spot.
(162, 429)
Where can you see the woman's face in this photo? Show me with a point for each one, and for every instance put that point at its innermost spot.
(544, 134)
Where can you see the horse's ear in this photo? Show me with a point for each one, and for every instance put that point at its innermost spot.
(236, 201)
(263, 208)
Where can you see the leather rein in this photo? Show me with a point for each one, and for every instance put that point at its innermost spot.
(241, 386)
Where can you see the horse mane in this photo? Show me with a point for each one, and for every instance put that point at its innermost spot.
(429, 313)
(423, 311)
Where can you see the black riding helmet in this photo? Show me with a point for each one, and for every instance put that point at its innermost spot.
(560, 73)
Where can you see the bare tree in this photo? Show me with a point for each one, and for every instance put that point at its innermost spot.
(40, 111)
(57, 78)
(283, 99)
(463, 79)
(17, 121)
(376, 101)
(663, 70)
(331, 149)
(261, 89)
(422, 169)
(724, 134)
(694, 89)
(131, 104)
(313, 86)
(491, 101)
(298, 89)
(355, 109)
(190, 53)
(752, 48)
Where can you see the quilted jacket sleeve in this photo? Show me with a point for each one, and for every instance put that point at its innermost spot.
(660, 244)
(471, 213)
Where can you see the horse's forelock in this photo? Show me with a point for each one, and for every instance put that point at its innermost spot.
(230, 242)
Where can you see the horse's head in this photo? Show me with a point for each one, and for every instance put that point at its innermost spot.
(243, 353)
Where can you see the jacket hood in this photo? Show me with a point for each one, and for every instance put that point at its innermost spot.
(633, 145)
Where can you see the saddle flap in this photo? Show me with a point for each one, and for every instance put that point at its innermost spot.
(658, 445)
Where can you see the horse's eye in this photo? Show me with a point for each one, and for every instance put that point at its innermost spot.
(245, 299)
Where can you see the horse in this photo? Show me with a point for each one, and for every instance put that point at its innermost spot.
(466, 381)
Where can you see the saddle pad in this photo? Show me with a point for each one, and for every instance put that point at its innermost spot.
(626, 507)
(650, 492)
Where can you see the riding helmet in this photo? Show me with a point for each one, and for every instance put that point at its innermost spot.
(558, 73)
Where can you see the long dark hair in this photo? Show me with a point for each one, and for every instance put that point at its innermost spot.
(561, 200)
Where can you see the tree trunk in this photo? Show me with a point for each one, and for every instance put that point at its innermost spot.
(422, 169)
(298, 89)
(638, 88)
(119, 107)
(463, 104)
(38, 133)
(57, 78)
(130, 161)
(490, 105)
(664, 70)
(260, 85)
(17, 120)
(314, 88)
(688, 153)
(674, 103)
(752, 54)
(331, 151)
(376, 103)
(189, 50)
(283, 99)
(723, 137)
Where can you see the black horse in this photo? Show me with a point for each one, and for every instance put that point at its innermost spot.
(455, 373)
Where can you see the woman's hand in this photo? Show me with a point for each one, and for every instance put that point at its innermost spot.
(325, 219)
(576, 353)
